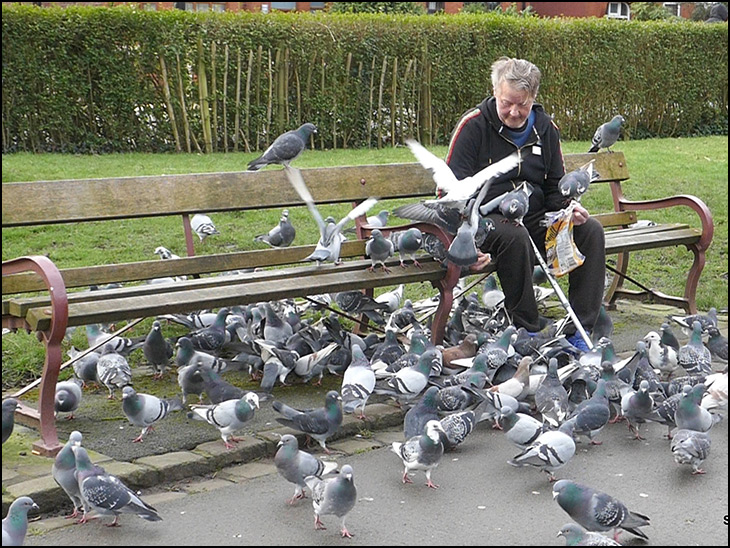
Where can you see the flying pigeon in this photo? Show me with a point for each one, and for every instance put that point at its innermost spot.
(282, 235)
(330, 233)
(285, 148)
(549, 452)
(379, 249)
(574, 184)
(597, 511)
(575, 535)
(333, 496)
(320, 423)
(113, 370)
(607, 134)
(515, 204)
(358, 383)
(294, 465)
(408, 243)
(228, 416)
(9, 407)
(422, 452)
(157, 350)
(203, 226)
(15, 524)
(64, 471)
(144, 410)
(691, 447)
(106, 494)
(68, 397)
(694, 356)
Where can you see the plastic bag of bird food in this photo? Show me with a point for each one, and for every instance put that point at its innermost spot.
(562, 253)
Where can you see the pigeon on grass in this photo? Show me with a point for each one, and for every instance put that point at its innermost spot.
(144, 410)
(285, 148)
(203, 226)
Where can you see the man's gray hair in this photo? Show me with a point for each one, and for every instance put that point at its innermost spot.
(518, 73)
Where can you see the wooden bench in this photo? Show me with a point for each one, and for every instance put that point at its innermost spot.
(74, 201)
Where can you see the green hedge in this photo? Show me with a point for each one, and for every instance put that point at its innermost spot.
(91, 79)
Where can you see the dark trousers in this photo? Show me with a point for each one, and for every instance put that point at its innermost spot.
(510, 248)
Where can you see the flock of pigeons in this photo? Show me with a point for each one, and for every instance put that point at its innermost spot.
(539, 389)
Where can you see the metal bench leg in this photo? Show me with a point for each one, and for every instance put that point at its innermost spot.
(446, 301)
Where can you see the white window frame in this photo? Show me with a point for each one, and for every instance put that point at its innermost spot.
(615, 10)
(674, 8)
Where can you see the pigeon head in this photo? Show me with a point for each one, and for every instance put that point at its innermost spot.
(252, 399)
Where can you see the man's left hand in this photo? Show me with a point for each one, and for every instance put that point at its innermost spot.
(580, 215)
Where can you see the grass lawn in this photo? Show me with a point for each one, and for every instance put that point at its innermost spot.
(663, 167)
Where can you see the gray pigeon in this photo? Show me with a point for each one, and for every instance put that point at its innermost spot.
(690, 414)
(203, 226)
(575, 535)
(358, 383)
(551, 398)
(717, 343)
(519, 428)
(285, 148)
(191, 381)
(425, 410)
(144, 410)
(85, 367)
(549, 452)
(113, 370)
(408, 243)
(157, 350)
(691, 447)
(228, 416)
(422, 452)
(515, 204)
(607, 134)
(379, 249)
(637, 407)
(694, 356)
(68, 397)
(282, 235)
(597, 511)
(706, 320)
(15, 524)
(294, 465)
(122, 345)
(392, 298)
(591, 415)
(9, 407)
(276, 330)
(407, 383)
(356, 302)
(457, 426)
(64, 471)
(603, 326)
(575, 183)
(320, 423)
(333, 496)
(188, 355)
(213, 337)
(165, 254)
(330, 233)
(106, 494)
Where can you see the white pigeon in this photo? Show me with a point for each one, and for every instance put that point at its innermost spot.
(228, 416)
(203, 226)
(358, 383)
(392, 298)
(550, 451)
(165, 253)
(330, 233)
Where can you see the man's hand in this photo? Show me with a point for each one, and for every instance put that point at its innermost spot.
(580, 215)
(483, 259)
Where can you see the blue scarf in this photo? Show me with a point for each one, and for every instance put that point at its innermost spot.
(519, 137)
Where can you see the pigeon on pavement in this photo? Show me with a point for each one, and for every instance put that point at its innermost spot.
(549, 452)
(551, 398)
(407, 383)
(591, 415)
(282, 235)
(113, 370)
(294, 465)
(694, 356)
(691, 447)
(519, 428)
(690, 414)
(425, 410)
(228, 416)
(9, 407)
(68, 397)
(320, 423)
(285, 148)
(106, 494)
(330, 233)
(64, 471)
(358, 383)
(379, 249)
(607, 134)
(157, 350)
(575, 535)
(15, 524)
(597, 511)
(422, 452)
(706, 320)
(203, 226)
(717, 343)
(333, 496)
(144, 410)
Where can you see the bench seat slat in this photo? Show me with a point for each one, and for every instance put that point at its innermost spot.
(617, 243)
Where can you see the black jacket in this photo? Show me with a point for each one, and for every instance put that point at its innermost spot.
(478, 141)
